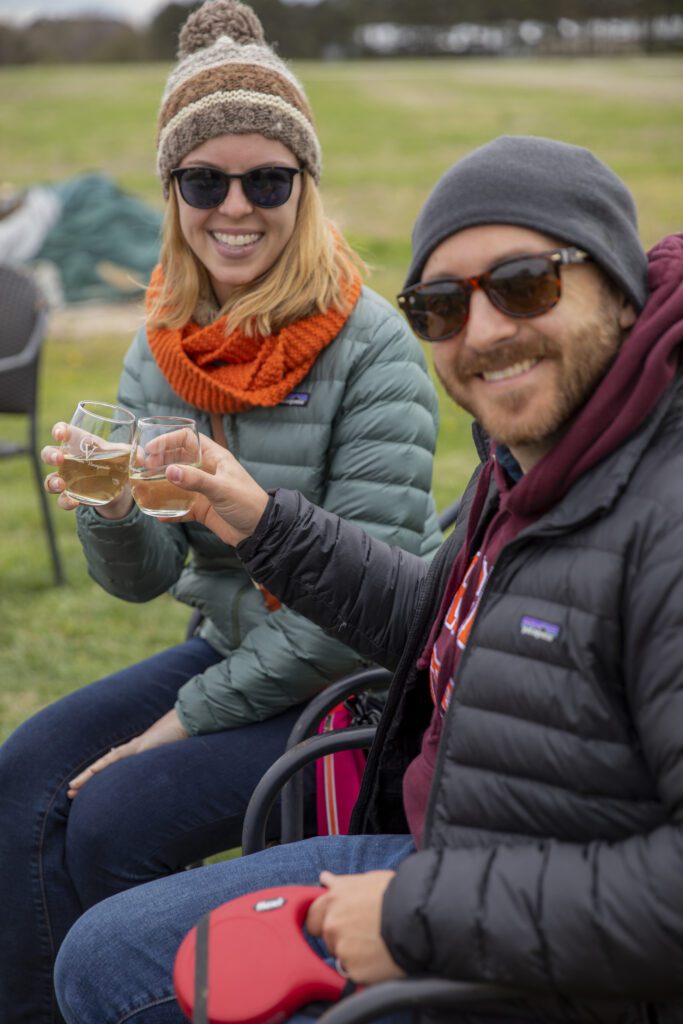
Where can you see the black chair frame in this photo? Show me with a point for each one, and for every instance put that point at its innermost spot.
(413, 993)
(22, 313)
(306, 727)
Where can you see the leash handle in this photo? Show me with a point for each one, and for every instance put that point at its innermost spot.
(249, 961)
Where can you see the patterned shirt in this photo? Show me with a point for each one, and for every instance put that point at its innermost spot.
(446, 653)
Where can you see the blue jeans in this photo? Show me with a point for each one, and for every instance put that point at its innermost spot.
(143, 818)
(115, 964)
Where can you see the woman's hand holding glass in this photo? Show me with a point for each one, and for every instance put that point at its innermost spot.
(162, 458)
(92, 459)
(227, 499)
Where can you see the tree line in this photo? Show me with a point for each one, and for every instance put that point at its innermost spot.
(359, 28)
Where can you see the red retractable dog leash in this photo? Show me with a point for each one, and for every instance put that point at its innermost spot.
(248, 962)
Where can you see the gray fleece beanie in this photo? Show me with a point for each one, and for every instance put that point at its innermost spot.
(548, 186)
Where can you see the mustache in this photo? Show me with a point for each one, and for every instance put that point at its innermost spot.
(469, 363)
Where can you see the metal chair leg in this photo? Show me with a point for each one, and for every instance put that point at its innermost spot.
(47, 521)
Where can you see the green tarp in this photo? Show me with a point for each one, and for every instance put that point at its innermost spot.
(105, 242)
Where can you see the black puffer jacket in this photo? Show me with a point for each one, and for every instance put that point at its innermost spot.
(553, 854)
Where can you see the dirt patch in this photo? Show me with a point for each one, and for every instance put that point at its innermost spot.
(647, 82)
(86, 320)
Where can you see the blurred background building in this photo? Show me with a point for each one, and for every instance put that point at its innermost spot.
(353, 29)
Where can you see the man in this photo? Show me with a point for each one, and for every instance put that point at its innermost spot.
(531, 744)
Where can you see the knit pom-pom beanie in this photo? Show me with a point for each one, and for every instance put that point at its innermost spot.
(228, 81)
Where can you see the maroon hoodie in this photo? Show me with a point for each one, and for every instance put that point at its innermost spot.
(635, 382)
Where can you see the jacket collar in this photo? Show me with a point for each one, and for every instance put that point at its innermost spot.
(597, 489)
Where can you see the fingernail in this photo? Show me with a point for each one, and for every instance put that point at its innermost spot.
(174, 474)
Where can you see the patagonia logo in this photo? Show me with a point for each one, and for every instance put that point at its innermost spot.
(296, 398)
(539, 629)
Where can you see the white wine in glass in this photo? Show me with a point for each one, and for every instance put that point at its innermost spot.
(97, 452)
(162, 441)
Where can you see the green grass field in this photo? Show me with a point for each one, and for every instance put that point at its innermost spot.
(388, 129)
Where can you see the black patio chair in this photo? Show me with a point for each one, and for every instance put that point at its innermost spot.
(376, 1001)
(23, 321)
(416, 993)
(373, 679)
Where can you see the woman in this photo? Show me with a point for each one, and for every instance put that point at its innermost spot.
(259, 328)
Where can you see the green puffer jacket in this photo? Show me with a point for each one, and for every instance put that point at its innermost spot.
(357, 437)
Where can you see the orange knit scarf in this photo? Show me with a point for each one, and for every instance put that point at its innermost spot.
(219, 372)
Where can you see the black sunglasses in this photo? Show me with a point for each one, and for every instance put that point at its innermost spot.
(206, 187)
(525, 286)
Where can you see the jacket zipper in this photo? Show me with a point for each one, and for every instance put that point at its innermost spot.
(504, 559)
(419, 628)
(441, 753)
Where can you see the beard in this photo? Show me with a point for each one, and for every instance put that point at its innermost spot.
(581, 359)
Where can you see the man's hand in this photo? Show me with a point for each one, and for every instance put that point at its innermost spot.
(229, 501)
(348, 918)
(165, 730)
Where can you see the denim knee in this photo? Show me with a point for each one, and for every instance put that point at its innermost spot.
(33, 779)
(116, 962)
(106, 848)
(70, 978)
(25, 752)
(86, 975)
(91, 851)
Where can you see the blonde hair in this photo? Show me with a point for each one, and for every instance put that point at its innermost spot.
(309, 276)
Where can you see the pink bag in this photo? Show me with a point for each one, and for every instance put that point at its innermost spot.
(338, 778)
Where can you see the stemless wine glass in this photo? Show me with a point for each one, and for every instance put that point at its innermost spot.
(161, 441)
(96, 453)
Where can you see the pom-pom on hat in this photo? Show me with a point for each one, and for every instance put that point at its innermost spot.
(228, 81)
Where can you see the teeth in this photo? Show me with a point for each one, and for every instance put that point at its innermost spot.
(235, 239)
(510, 371)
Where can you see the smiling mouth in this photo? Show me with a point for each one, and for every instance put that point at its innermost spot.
(509, 371)
(236, 241)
